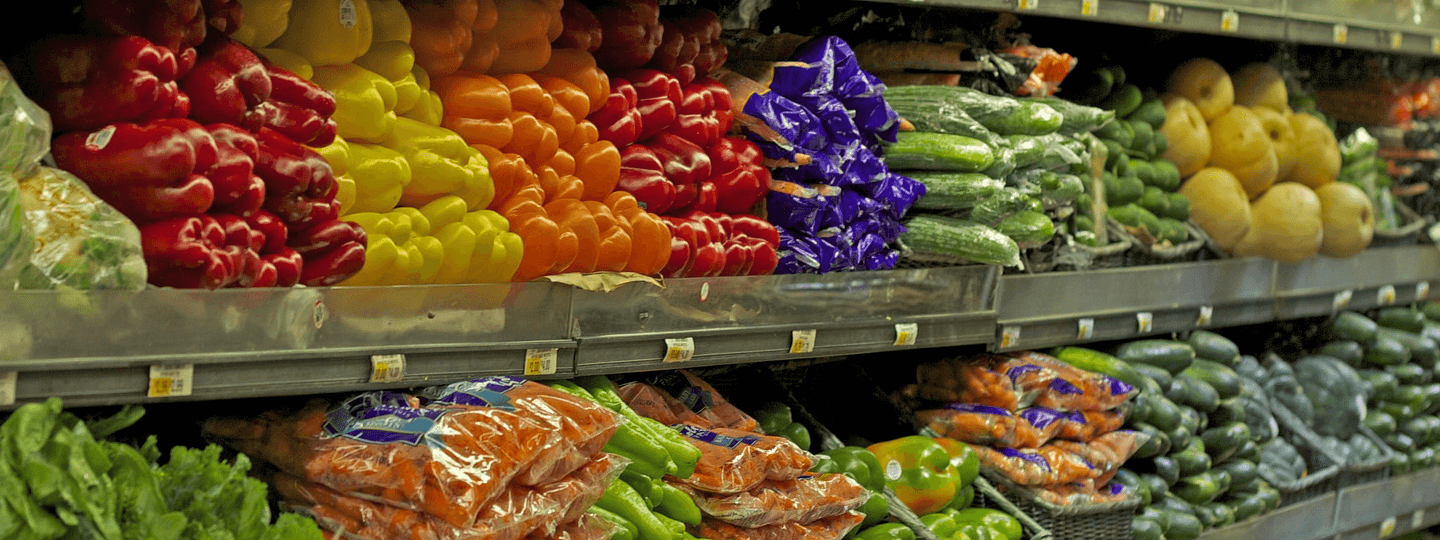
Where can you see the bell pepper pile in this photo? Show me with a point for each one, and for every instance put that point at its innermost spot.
(190, 135)
(934, 478)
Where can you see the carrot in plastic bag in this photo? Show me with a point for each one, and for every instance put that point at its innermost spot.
(1067, 466)
(1072, 389)
(1084, 426)
(691, 400)
(829, 528)
(1107, 452)
(1025, 468)
(983, 380)
(586, 527)
(584, 426)
(654, 403)
(803, 499)
(1079, 493)
(579, 491)
(991, 426)
(732, 461)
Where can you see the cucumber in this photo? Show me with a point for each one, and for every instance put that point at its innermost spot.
(932, 112)
(938, 151)
(1214, 347)
(1172, 356)
(1380, 422)
(1249, 507)
(1124, 101)
(1422, 350)
(1145, 529)
(1195, 393)
(1409, 374)
(1167, 177)
(1352, 326)
(1184, 526)
(1230, 411)
(935, 235)
(1152, 112)
(999, 207)
(1431, 310)
(1224, 380)
(1077, 118)
(1180, 437)
(1134, 216)
(1385, 350)
(1242, 472)
(1221, 442)
(1156, 445)
(1157, 486)
(1099, 362)
(1164, 414)
(1122, 190)
(1154, 200)
(1166, 468)
(1027, 228)
(1000, 114)
(1249, 451)
(1224, 515)
(1380, 385)
(1346, 351)
(954, 191)
(1155, 373)
(1192, 459)
(1401, 318)
(1201, 488)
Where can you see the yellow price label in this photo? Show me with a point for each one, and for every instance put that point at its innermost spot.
(1207, 313)
(1341, 300)
(1340, 34)
(1385, 296)
(905, 334)
(802, 341)
(7, 387)
(1144, 321)
(1028, 4)
(540, 361)
(1157, 13)
(1085, 328)
(1435, 45)
(387, 368)
(1089, 8)
(1422, 290)
(1230, 21)
(1009, 336)
(168, 381)
(1387, 527)
(679, 349)
(1397, 39)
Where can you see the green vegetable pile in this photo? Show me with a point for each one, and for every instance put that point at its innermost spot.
(60, 479)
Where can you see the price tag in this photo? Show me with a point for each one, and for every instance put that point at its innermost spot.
(1417, 519)
(1340, 34)
(1089, 8)
(167, 381)
(679, 349)
(1145, 321)
(540, 361)
(905, 334)
(1422, 290)
(1385, 296)
(7, 387)
(1207, 313)
(802, 341)
(1435, 45)
(1026, 5)
(1085, 328)
(1230, 21)
(1387, 527)
(1341, 300)
(1157, 13)
(1397, 39)
(387, 368)
(1009, 336)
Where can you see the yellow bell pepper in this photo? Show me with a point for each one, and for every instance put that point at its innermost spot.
(389, 253)
(408, 94)
(440, 164)
(364, 102)
(459, 242)
(264, 22)
(289, 61)
(497, 251)
(380, 175)
(328, 32)
(427, 108)
(390, 21)
(338, 155)
(390, 59)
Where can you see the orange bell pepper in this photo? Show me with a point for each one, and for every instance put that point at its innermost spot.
(584, 133)
(527, 95)
(534, 140)
(507, 171)
(598, 166)
(477, 107)
(650, 239)
(563, 163)
(440, 33)
(566, 94)
(615, 242)
(578, 67)
(572, 214)
(524, 35)
(563, 123)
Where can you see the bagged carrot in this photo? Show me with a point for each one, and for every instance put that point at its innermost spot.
(585, 527)
(584, 426)
(1107, 452)
(1022, 467)
(1071, 389)
(983, 380)
(829, 528)
(1084, 426)
(732, 461)
(1079, 493)
(991, 426)
(803, 499)
(689, 400)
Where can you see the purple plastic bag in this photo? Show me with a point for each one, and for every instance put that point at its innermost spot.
(795, 207)
(792, 121)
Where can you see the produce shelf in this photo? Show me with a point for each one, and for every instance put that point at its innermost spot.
(1377, 276)
(1260, 19)
(1368, 511)
(751, 319)
(1310, 520)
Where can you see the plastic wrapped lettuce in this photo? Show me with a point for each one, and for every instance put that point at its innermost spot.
(24, 127)
(79, 241)
(16, 243)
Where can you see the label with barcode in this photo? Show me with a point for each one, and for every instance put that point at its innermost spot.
(1385, 296)
(1157, 13)
(1397, 39)
(1435, 45)
(7, 387)
(1230, 21)
(1085, 328)
(1207, 313)
(1027, 4)
(1387, 527)
(1144, 321)
(1417, 519)
(1341, 300)
(387, 368)
(540, 361)
(1422, 290)
(1089, 8)
(679, 349)
(167, 381)
(1009, 336)
(905, 334)
(802, 341)
(1340, 34)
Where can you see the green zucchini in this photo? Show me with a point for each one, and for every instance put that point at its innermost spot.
(1173, 356)
(938, 151)
(1214, 347)
(936, 235)
(954, 191)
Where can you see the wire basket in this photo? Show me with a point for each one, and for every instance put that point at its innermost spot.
(1073, 256)
(1143, 252)
(1324, 475)
(1407, 234)
(1106, 521)
(1355, 473)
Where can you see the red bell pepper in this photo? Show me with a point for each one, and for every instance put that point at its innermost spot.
(189, 252)
(173, 24)
(333, 251)
(618, 121)
(300, 187)
(698, 197)
(643, 175)
(238, 190)
(254, 270)
(681, 256)
(228, 84)
(685, 163)
(754, 227)
(581, 30)
(764, 257)
(87, 83)
(632, 32)
(275, 231)
(740, 174)
(706, 255)
(288, 266)
(739, 257)
(223, 15)
(703, 26)
(149, 172)
(298, 109)
(659, 98)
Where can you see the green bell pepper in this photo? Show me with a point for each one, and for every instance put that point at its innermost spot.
(776, 419)
(1004, 524)
(625, 530)
(919, 471)
(963, 499)
(855, 462)
(876, 509)
(941, 524)
(887, 531)
(678, 505)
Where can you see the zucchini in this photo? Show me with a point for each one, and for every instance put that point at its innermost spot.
(936, 235)
(1173, 356)
(955, 191)
(938, 151)
(1214, 347)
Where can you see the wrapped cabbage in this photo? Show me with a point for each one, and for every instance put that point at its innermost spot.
(80, 242)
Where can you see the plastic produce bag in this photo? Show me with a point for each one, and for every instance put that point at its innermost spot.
(732, 461)
(24, 128)
(1107, 452)
(585, 527)
(1023, 467)
(1084, 426)
(1072, 389)
(983, 380)
(80, 242)
(1079, 493)
(992, 426)
(801, 500)
(822, 529)
(17, 244)
(682, 398)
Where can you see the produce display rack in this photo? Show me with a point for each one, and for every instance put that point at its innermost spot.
(1379, 509)
(1275, 20)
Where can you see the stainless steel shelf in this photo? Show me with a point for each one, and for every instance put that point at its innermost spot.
(1310, 288)
(1379, 509)
(1309, 520)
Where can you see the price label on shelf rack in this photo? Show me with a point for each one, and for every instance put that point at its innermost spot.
(802, 341)
(1026, 5)
(7, 387)
(1435, 45)
(1157, 13)
(1230, 21)
(1340, 34)
(1207, 313)
(168, 381)
(1089, 8)
(679, 349)
(1397, 40)
(1085, 328)
(1422, 290)
(387, 368)
(1145, 321)
(1385, 296)
(541, 361)
(1341, 300)
(1417, 519)
(905, 334)
(1387, 527)
(1009, 336)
